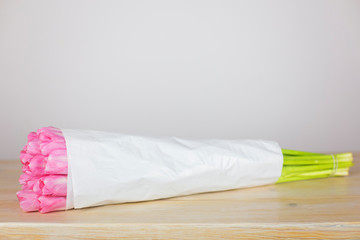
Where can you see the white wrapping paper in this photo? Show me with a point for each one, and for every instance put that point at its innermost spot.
(106, 168)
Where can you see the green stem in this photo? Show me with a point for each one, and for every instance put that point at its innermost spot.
(299, 165)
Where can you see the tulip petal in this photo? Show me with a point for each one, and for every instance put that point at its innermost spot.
(24, 178)
(57, 162)
(28, 200)
(37, 165)
(37, 186)
(47, 147)
(30, 184)
(33, 146)
(31, 136)
(55, 185)
(25, 168)
(50, 134)
(25, 157)
(50, 204)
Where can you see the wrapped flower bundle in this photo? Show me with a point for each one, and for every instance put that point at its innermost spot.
(65, 169)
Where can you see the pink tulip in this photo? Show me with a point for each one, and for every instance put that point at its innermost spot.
(25, 187)
(33, 146)
(37, 165)
(30, 183)
(36, 186)
(31, 136)
(25, 168)
(50, 134)
(50, 204)
(56, 163)
(24, 178)
(28, 200)
(25, 157)
(55, 185)
(47, 147)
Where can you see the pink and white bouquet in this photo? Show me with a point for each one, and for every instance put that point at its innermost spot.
(65, 169)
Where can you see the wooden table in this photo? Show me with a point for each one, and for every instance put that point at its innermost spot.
(316, 209)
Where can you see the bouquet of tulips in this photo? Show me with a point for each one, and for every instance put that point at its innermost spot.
(64, 169)
(44, 166)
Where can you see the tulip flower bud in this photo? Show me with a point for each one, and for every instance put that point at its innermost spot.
(36, 186)
(24, 178)
(37, 165)
(50, 204)
(56, 162)
(30, 183)
(55, 185)
(33, 146)
(47, 147)
(25, 168)
(25, 157)
(31, 136)
(28, 200)
(50, 134)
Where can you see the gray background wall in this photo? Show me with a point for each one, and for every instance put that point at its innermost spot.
(280, 70)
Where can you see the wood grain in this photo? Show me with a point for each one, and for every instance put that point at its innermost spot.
(316, 209)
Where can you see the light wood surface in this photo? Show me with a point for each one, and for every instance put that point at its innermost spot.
(316, 209)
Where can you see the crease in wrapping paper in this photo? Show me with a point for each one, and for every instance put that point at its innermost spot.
(106, 168)
(70, 193)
